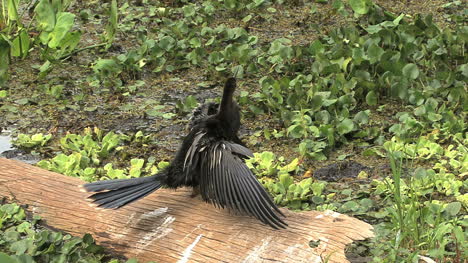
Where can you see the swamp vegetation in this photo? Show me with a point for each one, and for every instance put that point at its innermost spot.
(355, 106)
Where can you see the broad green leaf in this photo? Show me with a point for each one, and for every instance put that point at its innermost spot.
(45, 15)
(64, 23)
(12, 9)
(286, 180)
(366, 203)
(375, 53)
(420, 173)
(371, 98)
(360, 6)
(69, 42)
(238, 71)
(189, 10)
(317, 47)
(362, 117)
(4, 258)
(350, 206)
(346, 126)
(453, 208)
(420, 111)
(23, 227)
(70, 244)
(316, 102)
(106, 67)
(20, 45)
(411, 71)
(22, 101)
(21, 246)
(373, 29)
(317, 188)
(464, 70)
(166, 43)
(291, 166)
(434, 116)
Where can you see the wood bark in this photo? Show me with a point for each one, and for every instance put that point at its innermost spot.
(171, 226)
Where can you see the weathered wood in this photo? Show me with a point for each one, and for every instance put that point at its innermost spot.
(170, 226)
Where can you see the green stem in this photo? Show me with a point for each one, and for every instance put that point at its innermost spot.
(65, 57)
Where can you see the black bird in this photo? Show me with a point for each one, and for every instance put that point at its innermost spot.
(211, 158)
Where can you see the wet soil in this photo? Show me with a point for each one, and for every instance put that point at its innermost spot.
(340, 170)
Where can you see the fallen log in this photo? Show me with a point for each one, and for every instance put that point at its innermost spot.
(171, 226)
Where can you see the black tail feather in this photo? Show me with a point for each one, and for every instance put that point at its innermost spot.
(117, 183)
(119, 192)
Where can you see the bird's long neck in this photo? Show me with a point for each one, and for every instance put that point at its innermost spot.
(226, 106)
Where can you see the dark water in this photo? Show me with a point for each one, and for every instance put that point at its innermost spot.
(5, 142)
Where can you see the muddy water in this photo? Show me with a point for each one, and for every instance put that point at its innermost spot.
(5, 142)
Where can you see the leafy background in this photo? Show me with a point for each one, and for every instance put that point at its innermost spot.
(354, 106)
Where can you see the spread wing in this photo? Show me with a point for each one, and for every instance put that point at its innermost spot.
(226, 181)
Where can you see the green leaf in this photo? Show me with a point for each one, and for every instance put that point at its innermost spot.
(25, 258)
(23, 227)
(464, 70)
(4, 60)
(22, 101)
(136, 166)
(69, 245)
(167, 43)
(420, 173)
(88, 239)
(362, 117)
(4, 258)
(69, 42)
(453, 208)
(373, 29)
(20, 45)
(371, 98)
(238, 71)
(346, 126)
(317, 47)
(411, 71)
(286, 180)
(360, 6)
(44, 68)
(316, 102)
(107, 67)
(12, 9)
(317, 188)
(64, 23)
(189, 10)
(397, 20)
(350, 206)
(45, 15)
(291, 166)
(375, 53)
(434, 117)
(21, 246)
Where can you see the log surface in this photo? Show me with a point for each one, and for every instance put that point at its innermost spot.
(170, 226)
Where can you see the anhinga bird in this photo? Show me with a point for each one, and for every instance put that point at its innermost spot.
(211, 158)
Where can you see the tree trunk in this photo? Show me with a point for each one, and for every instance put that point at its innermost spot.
(170, 226)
